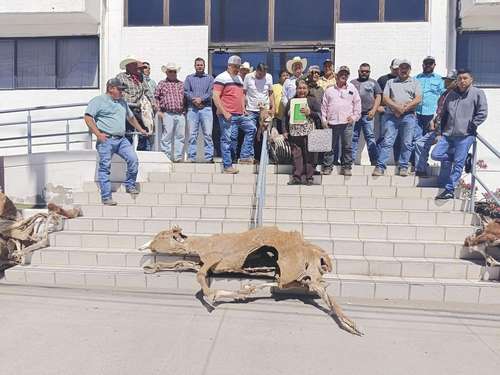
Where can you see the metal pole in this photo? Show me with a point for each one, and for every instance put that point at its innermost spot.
(28, 131)
(67, 135)
(90, 140)
(472, 205)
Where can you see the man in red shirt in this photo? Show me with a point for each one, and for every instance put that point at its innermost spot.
(229, 99)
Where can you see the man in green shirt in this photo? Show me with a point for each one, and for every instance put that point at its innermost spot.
(105, 116)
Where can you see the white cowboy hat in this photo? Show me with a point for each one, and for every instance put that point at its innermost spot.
(128, 60)
(246, 65)
(295, 60)
(170, 66)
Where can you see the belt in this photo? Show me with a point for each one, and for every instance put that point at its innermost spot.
(113, 136)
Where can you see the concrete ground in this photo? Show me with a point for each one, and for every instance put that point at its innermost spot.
(67, 331)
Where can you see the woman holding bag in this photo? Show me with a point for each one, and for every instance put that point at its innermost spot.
(297, 132)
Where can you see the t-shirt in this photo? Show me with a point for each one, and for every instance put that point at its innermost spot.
(402, 92)
(382, 81)
(109, 114)
(231, 93)
(257, 91)
(368, 90)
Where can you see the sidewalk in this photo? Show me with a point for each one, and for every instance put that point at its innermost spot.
(71, 332)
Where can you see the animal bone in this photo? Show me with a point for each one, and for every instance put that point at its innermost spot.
(284, 257)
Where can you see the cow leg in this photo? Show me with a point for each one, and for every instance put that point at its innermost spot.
(180, 265)
(344, 321)
(242, 294)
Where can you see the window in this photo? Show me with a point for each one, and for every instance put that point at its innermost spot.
(49, 63)
(407, 10)
(303, 21)
(478, 51)
(187, 12)
(239, 20)
(36, 63)
(275, 60)
(382, 10)
(145, 12)
(7, 48)
(359, 11)
(77, 63)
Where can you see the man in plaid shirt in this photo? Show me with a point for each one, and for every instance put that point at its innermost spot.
(134, 89)
(170, 98)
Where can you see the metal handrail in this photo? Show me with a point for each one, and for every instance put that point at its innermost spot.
(29, 122)
(261, 182)
(475, 177)
(40, 107)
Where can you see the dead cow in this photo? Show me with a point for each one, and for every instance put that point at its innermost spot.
(283, 256)
(486, 239)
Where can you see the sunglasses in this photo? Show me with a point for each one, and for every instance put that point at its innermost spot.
(429, 62)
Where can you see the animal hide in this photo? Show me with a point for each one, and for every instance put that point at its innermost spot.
(20, 238)
(485, 240)
(284, 257)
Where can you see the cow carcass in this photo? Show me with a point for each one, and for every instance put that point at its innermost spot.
(284, 257)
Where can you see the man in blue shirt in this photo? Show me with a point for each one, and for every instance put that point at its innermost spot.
(198, 89)
(106, 116)
(432, 86)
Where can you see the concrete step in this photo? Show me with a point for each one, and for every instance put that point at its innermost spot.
(280, 213)
(316, 194)
(280, 179)
(359, 189)
(357, 170)
(141, 206)
(378, 287)
(91, 231)
(333, 246)
(439, 268)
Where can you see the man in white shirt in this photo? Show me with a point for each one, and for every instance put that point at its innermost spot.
(258, 89)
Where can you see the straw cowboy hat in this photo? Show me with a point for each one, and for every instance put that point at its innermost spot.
(246, 65)
(295, 60)
(170, 66)
(129, 60)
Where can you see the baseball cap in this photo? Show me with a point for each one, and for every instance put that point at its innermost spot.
(395, 63)
(314, 68)
(452, 75)
(404, 61)
(115, 82)
(327, 61)
(344, 68)
(429, 58)
(234, 60)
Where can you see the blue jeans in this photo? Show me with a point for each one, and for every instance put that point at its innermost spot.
(174, 124)
(124, 149)
(203, 118)
(422, 147)
(403, 127)
(366, 125)
(456, 161)
(247, 124)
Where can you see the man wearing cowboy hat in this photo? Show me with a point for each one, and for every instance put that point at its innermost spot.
(134, 89)
(296, 68)
(170, 97)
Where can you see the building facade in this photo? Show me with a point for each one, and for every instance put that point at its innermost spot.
(61, 51)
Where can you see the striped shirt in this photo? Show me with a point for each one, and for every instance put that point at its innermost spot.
(170, 96)
(199, 86)
(231, 92)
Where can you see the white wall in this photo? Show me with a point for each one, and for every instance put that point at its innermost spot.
(381, 42)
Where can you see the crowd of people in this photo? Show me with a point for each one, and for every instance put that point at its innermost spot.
(414, 113)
